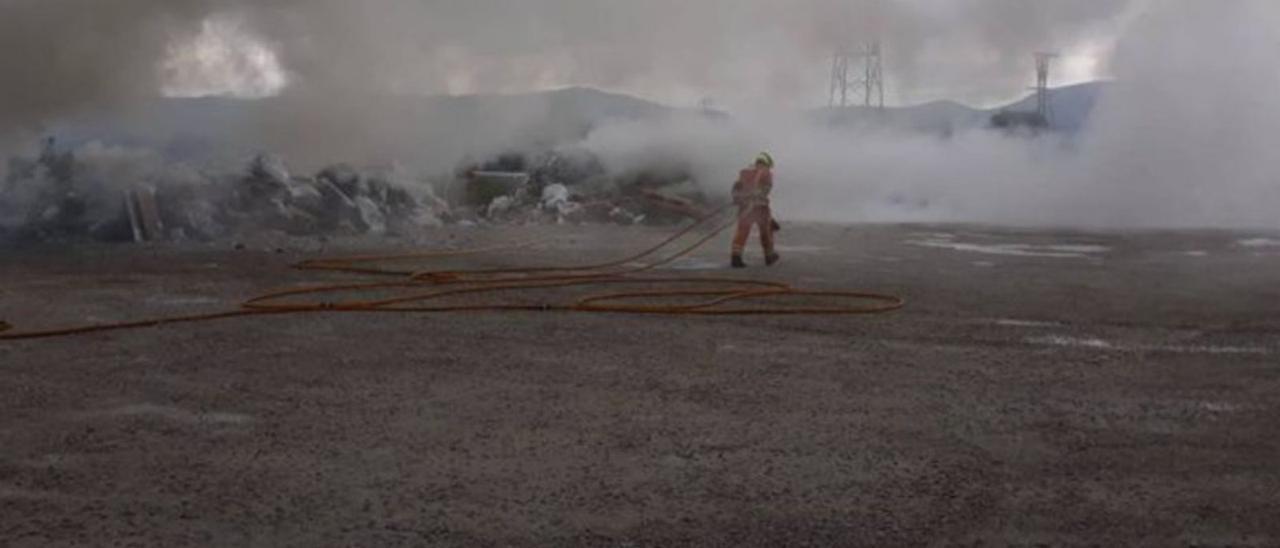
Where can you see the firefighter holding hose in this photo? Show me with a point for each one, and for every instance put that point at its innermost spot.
(751, 195)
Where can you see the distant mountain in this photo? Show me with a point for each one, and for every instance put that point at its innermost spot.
(1070, 109)
(1070, 106)
(312, 129)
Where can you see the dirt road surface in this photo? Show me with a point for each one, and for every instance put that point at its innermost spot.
(1041, 388)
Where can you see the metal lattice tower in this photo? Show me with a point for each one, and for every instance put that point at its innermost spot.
(1044, 62)
(845, 81)
(840, 82)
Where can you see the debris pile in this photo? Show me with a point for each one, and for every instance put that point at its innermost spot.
(68, 196)
(572, 186)
(60, 197)
(340, 199)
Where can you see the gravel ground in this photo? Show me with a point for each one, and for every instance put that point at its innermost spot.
(1041, 388)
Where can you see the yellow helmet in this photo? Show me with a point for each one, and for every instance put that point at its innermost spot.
(765, 159)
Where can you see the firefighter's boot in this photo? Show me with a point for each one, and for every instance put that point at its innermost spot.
(736, 261)
(771, 259)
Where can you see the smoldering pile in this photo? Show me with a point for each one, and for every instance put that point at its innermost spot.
(571, 185)
(100, 193)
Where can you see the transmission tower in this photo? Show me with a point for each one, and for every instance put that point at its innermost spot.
(840, 81)
(846, 82)
(1044, 62)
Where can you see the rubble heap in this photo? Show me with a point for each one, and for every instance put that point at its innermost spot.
(61, 195)
(338, 200)
(571, 185)
(55, 197)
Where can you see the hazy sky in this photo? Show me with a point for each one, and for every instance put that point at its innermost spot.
(63, 55)
(1158, 151)
(735, 52)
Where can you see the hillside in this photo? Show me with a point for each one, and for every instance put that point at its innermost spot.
(374, 128)
(436, 130)
(1071, 107)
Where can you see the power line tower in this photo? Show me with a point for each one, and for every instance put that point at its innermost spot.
(873, 78)
(840, 81)
(1044, 61)
(845, 82)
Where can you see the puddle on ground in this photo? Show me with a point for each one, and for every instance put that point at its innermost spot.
(1053, 251)
(1099, 344)
(693, 263)
(1258, 242)
(801, 249)
(1009, 322)
(1250, 350)
(1058, 340)
(176, 414)
(1220, 407)
(934, 235)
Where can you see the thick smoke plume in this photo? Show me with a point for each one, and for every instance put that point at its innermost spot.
(1189, 132)
(74, 54)
(350, 65)
(343, 60)
(1162, 149)
(63, 56)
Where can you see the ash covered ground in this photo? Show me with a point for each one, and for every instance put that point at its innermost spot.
(1042, 387)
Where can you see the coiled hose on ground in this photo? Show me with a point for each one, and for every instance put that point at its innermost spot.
(425, 291)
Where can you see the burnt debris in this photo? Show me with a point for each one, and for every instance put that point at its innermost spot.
(66, 195)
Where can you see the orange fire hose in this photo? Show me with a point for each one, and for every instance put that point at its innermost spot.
(413, 290)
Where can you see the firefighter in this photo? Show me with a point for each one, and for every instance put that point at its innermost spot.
(751, 194)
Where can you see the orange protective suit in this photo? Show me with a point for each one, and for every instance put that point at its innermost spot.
(751, 193)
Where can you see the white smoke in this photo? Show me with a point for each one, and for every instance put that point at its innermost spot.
(1188, 134)
(83, 54)
(1185, 137)
(836, 175)
(223, 60)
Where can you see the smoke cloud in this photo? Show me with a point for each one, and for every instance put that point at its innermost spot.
(67, 55)
(335, 63)
(1187, 136)
(1162, 149)
(1182, 138)
(72, 54)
